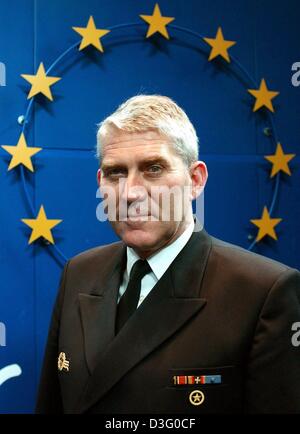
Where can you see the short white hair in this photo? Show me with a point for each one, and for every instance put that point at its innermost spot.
(153, 112)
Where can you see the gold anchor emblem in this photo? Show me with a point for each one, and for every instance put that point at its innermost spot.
(62, 362)
(196, 397)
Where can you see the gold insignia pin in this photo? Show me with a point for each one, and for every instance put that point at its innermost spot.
(62, 362)
(196, 397)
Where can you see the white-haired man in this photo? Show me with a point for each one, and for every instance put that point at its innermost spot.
(169, 319)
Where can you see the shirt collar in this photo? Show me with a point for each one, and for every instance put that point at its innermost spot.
(160, 261)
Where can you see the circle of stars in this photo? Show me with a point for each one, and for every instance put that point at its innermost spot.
(41, 83)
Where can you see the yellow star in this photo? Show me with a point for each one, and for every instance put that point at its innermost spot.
(91, 35)
(157, 23)
(197, 397)
(280, 161)
(21, 154)
(41, 226)
(219, 46)
(40, 82)
(263, 96)
(266, 225)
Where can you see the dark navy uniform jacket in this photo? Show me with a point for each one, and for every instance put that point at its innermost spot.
(218, 310)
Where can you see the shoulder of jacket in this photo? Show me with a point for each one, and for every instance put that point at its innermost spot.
(98, 253)
(246, 261)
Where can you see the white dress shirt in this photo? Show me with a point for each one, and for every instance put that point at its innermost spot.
(159, 263)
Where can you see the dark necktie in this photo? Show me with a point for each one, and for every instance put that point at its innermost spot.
(129, 300)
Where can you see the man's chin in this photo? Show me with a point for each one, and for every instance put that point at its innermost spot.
(138, 235)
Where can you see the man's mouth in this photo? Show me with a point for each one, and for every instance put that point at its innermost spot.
(139, 217)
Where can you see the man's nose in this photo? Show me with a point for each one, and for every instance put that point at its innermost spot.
(133, 188)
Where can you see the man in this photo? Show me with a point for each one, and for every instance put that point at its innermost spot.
(169, 319)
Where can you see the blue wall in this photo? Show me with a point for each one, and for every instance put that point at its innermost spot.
(215, 97)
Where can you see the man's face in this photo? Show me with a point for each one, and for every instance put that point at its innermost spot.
(135, 166)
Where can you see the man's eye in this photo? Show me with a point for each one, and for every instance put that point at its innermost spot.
(115, 173)
(154, 168)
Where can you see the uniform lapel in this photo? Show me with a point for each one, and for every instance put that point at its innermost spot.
(172, 302)
(98, 307)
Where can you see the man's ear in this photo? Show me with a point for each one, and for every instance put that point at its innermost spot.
(199, 175)
(99, 176)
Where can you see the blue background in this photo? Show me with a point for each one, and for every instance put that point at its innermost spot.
(232, 142)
